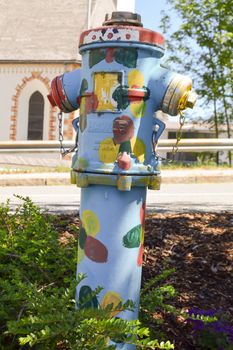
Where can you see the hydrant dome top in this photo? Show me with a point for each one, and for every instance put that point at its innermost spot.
(121, 34)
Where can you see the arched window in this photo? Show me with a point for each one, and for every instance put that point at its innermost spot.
(36, 116)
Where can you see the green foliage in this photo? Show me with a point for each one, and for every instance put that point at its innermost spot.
(203, 45)
(154, 298)
(37, 288)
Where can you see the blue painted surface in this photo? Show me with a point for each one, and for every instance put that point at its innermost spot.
(71, 84)
(118, 89)
(98, 127)
(117, 213)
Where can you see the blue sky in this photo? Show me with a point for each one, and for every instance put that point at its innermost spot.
(150, 11)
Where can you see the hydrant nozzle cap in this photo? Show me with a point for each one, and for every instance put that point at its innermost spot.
(123, 18)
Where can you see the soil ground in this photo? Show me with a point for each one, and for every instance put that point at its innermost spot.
(200, 248)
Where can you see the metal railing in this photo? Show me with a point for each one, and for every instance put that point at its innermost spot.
(185, 145)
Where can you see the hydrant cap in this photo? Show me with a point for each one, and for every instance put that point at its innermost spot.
(122, 27)
(124, 18)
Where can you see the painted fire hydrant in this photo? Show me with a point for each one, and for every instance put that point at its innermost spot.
(118, 89)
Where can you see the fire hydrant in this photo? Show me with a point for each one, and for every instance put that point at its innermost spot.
(118, 89)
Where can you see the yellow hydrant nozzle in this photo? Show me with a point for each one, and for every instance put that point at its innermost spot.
(191, 99)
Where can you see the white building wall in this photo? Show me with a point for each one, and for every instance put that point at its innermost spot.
(8, 84)
(12, 77)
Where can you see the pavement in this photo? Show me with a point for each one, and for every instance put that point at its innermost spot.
(183, 176)
(174, 198)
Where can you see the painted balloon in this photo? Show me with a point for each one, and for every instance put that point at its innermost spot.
(108, 151)
(82, 237)
(135, 78)
(138, 108)
(95, 250)
(114, 299)
(138, 149)
(123, 129)
(90, 222)
(86, 298)
(133, 238)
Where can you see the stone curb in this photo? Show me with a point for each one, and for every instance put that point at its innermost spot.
(168, 177)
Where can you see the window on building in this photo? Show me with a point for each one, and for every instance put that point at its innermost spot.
(36, 116)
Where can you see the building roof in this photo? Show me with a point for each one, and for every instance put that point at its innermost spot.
(46, 30)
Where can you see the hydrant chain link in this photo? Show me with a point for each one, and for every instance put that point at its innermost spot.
(64, 151)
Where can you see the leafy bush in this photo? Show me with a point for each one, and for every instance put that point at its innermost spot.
(37, 288)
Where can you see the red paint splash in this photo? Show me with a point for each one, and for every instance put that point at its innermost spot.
(123, 129)
(95, 250)
(140, 255)
(110, 55)
(142, 214)
(124, 161)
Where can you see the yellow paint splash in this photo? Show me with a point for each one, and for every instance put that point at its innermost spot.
(138, 109)
(108, 151)
(135, 78)
(90, 222)
(138, 149)
(81, 255)
(114, 299)
(105, 84)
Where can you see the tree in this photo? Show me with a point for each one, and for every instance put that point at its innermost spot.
(203, 45)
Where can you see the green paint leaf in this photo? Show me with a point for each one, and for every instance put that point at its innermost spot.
(82, 237)
(86, 298)
(96, 56)
(120, 97)
(127, 57)
(133, 237)
(84, 87)
(125, 147)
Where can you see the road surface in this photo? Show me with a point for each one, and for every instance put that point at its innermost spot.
(171, 198)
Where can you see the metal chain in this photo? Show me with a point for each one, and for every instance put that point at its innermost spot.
(175, 148)
(64, 151)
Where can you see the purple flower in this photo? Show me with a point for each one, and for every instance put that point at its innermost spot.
(194, 312)
(217, 326)
(198, 325)
(220, 326)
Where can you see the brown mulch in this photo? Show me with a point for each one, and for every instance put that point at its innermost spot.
(200, 248)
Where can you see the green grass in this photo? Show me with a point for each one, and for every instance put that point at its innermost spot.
(64, 169)
(180, 166)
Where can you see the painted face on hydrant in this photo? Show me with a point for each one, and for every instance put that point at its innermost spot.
(118, 89)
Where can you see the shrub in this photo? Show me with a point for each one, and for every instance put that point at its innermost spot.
(37, 288)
